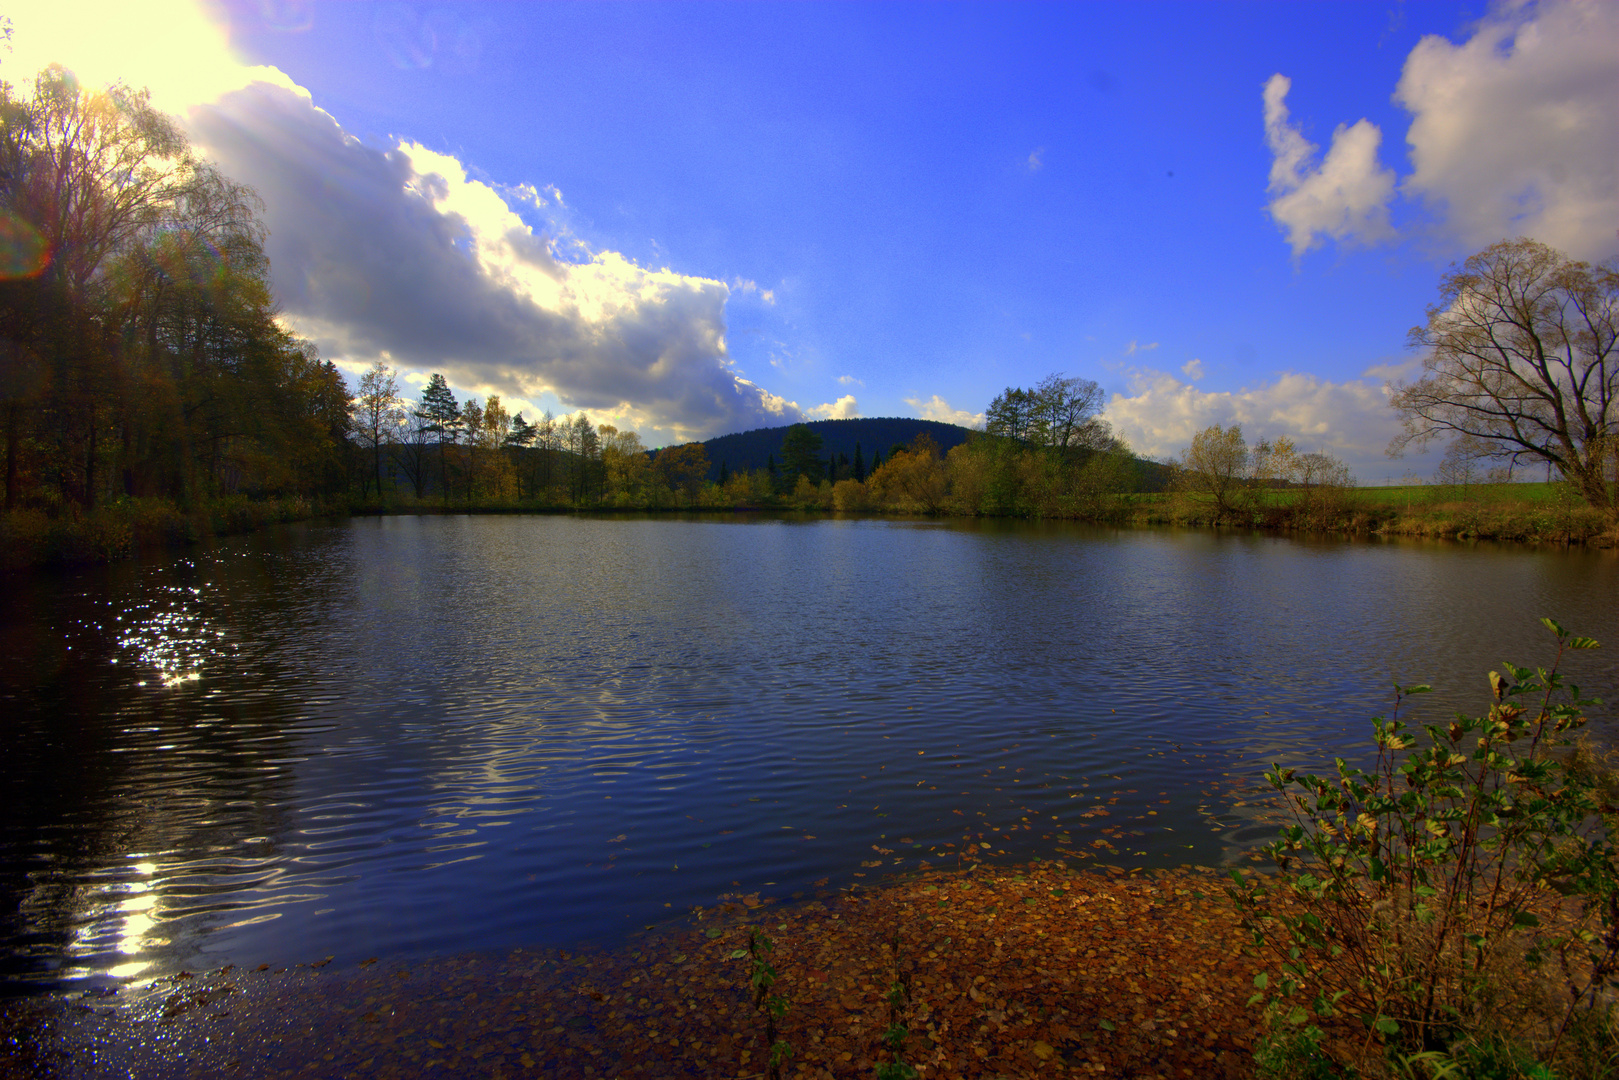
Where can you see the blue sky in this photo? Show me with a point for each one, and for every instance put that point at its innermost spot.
(691, 219)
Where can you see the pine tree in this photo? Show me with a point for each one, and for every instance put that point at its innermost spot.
(442, 417)
(859, 465)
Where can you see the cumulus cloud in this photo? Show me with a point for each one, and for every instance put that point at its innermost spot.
(844, 408)
(1135, 347)
(937, 408)
(1515, 131)
(1345, 196)
(1037, 159)
(396, 250)
(1193, 369)
(849, 380)
(1350, 420)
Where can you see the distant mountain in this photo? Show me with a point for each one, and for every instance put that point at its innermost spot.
(750, 449)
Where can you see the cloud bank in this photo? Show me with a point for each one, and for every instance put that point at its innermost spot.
(1350, 420)
(1514, 132)
(397, 252)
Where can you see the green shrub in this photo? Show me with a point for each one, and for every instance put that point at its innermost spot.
(1459, 900)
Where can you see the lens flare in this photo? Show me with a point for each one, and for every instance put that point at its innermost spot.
(23, 252)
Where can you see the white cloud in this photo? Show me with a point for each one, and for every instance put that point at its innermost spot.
(398, 250)
(1395, 371)
(751, 288)
(1345, 197)
(849, 380)
(937, 408)
(1515, 131)
(1193, 369)
(844, 408)
(1036, 159)
(1350, 420)
(1134, 347)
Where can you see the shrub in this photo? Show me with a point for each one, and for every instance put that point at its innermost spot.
(1460, 897)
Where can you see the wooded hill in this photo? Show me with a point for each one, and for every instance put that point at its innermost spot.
(748, 450)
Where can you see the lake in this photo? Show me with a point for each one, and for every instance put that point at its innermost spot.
(414, 736)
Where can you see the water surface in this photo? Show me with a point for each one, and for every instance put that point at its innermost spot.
(411, 736)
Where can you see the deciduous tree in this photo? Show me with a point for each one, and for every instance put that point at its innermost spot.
(1216, 464)
(1520, 354)
(377, 413)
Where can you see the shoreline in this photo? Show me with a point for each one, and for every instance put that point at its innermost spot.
(1017, 970)
(31, 541)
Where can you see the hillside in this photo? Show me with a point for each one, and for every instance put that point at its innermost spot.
(750, 449)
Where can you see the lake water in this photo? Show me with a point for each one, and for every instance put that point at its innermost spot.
(409, 736)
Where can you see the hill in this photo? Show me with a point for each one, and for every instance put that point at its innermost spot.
(750, 449)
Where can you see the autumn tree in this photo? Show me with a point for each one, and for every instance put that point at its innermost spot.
(684, 469)
(1519, 354)
(914, 479)
(583, 445)
(1217, 465)
(377, 413)
(625, 463)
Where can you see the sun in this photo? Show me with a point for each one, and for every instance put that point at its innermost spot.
(177, 49)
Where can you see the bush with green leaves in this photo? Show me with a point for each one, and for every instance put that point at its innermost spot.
(1461, 894)
(762, 977)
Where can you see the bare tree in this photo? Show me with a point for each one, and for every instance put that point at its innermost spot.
(1521, 357)
(378, 410)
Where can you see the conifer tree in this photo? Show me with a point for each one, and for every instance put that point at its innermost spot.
(441, 416)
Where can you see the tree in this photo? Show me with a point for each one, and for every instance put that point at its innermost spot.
(441, 418)
(1216, 464)
(859, 464)
(1521, 356)
(625, 462)
(1064, 413)
(1010, 415)
(1058, 413)
(684, 469)
(800, 452)
(377, 413)
(520, 439)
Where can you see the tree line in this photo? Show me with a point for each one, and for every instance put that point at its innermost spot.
(140, 354)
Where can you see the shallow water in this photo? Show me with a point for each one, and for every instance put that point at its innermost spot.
(417, 736)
